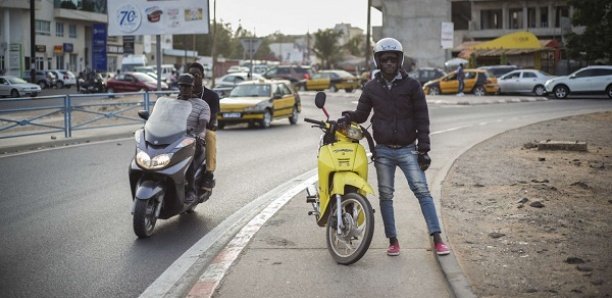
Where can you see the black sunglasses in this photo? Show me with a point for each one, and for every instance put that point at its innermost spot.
(388, 59)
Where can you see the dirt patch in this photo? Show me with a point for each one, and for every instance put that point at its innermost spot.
(529, 223)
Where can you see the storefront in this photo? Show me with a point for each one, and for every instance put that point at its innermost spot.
(519, 48)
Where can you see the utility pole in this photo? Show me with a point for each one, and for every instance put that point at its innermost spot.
(214, 44)
(32, 42)
(367, 41)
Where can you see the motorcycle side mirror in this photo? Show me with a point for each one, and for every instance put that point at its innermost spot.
(144, 114)
(320, 99)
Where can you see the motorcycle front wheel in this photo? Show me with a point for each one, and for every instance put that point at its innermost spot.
(348, 246)
(144, 217)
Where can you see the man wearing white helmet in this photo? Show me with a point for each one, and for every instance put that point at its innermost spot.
(400, 127)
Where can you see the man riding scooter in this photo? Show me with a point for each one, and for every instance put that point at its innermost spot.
(197, 120)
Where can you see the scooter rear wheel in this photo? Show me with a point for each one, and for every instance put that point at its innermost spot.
(144, 217)
(354, 239)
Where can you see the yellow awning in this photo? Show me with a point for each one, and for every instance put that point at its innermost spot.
(517, 40)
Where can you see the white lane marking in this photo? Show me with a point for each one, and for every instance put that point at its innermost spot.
(210, 279)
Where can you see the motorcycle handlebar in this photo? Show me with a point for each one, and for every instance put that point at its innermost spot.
(321, 123)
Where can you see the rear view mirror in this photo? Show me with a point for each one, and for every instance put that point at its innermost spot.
(144, 114)
(320, 99)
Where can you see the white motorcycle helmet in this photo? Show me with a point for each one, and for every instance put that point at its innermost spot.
(388, 45)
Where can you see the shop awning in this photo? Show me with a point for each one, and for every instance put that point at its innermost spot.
(516, 43)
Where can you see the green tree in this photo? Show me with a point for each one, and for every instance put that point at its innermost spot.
(326, 47)
(596, 41)
(356, 46)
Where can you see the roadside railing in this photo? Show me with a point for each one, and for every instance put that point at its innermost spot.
(67, 113)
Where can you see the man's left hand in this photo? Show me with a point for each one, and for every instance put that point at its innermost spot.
(424, 161)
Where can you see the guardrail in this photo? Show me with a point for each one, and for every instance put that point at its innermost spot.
(67, 113)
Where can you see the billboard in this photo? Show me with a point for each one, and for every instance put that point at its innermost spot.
(156, 17)
(99, 47)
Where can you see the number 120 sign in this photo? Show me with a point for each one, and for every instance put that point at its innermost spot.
(153, 17)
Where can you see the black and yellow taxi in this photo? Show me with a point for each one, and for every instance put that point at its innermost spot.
(333, 80)
(476, 81)
(258, 103)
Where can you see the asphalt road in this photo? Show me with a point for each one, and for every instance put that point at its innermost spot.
(65, 214)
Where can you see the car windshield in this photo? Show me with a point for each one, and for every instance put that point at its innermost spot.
(16, 80)
(251, 90)
(343, 74)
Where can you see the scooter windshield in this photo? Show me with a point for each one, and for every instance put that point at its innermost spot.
(168, 121)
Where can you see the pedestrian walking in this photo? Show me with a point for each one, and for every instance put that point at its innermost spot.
(400, 127)
(460, 78)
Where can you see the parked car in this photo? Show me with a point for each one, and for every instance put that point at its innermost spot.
(44, 78)
(225, 84)
(476, 81)
(16, 87)
(426, 74)
(587, 80)
(258, 103)
(237, 68)
(133, 82)
(331, 79)
(499, 70)
(524, 81)
(294, 73)
(65, 78)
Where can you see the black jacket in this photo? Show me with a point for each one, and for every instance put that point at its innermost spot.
(400, 114)
(212, 99)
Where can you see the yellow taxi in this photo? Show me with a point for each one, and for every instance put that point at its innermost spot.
(258, 103)
(476, 81)
(333, 80)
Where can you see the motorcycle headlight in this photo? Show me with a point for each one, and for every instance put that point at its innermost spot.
(157, 162)
(353, 132)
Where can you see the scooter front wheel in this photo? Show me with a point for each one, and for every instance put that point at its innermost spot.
(144, 217)
(348, 246)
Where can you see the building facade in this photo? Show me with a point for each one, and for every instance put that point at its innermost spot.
(64, 36)
(417, 23)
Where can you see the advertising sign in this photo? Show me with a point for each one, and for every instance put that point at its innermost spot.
(99, 47)
(156, 17)
(446, 40)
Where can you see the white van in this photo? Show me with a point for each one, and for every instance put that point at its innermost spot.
(129, 62)
(166, 71)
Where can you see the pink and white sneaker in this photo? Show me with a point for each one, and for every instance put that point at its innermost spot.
(441, 249)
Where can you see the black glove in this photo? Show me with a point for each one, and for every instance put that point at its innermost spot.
(424, 160)
(344, 120)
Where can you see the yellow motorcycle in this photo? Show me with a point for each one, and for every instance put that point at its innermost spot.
(340, 202)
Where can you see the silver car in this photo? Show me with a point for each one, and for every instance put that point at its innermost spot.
(524, 81)
(15, 87)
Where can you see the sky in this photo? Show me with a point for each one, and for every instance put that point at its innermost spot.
(291, 17)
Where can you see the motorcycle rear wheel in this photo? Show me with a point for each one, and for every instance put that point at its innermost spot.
(144, 217)
(358, 220)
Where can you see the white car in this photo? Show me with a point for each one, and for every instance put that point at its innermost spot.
(15, 87)
(524, 81)
(588, 80)
(65, 78)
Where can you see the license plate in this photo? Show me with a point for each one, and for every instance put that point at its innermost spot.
(231, 115)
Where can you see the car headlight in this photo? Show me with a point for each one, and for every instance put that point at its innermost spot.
(256, 108)
(145, 161)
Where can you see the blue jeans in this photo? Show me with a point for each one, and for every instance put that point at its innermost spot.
(406, 158)
(460, 86)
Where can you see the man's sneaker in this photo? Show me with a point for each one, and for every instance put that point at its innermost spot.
(208, 184)
(393, 249)
(441, 249)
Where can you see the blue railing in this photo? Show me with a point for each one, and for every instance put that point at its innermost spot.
(67, 113)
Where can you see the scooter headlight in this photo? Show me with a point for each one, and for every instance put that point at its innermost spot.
(157, 162)
(353, 132)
